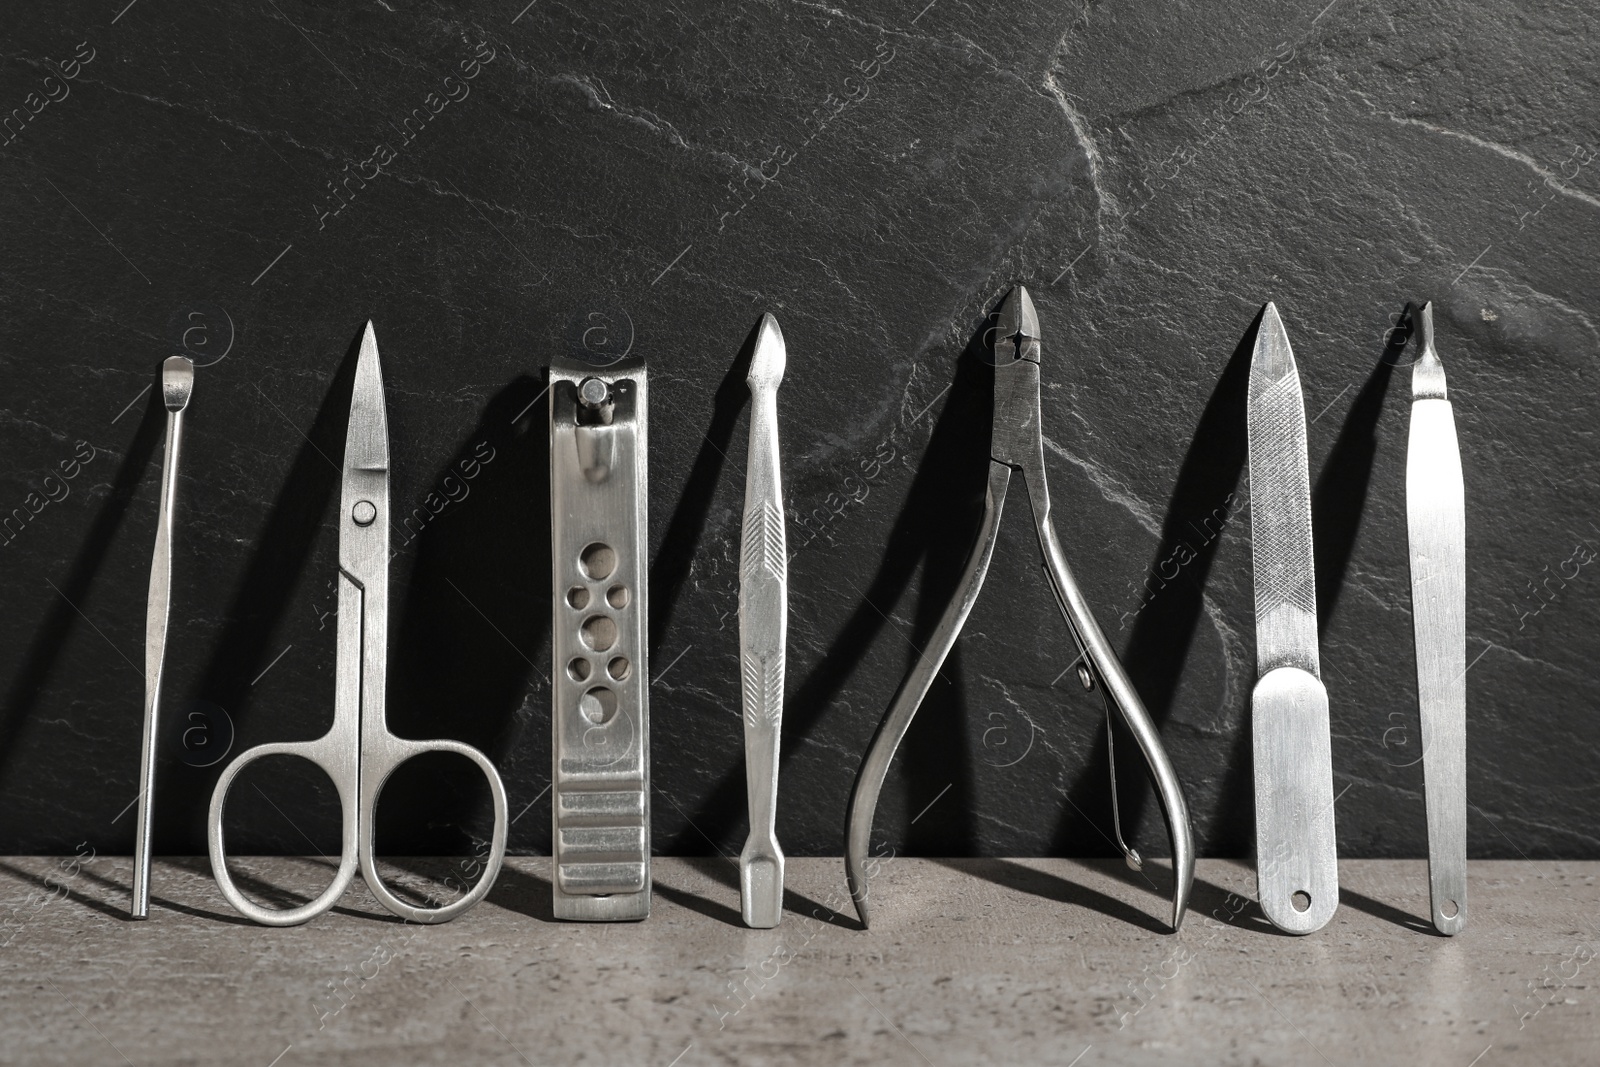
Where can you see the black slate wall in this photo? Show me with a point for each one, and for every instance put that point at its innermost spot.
(492, 185)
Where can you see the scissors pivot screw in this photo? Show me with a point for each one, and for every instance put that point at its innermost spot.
(363, 513)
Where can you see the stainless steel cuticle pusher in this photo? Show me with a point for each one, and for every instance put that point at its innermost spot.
(177, 383)
(763, 631)
(1436, 521)
(1297, 871)
(1017, 447)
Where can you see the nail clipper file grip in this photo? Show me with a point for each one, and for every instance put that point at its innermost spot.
(1295, 844)
(600, 756)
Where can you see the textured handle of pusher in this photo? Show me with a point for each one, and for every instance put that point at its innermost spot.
(763, 629)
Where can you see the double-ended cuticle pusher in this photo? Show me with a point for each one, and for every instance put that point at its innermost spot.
(763, 633)
(1017, 447)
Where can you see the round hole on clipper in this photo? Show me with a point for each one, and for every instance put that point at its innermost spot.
(579, 670)
(578, 597)
(1301, 900)
(598, 705)
(1450, 909)
(598, 561)
(619, 668)
(617, 596)
(599, 632)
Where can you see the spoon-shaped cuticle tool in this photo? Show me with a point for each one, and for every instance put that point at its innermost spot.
(177, 383)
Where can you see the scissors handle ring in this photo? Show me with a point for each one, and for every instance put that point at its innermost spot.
(375, 772)
(324, 754)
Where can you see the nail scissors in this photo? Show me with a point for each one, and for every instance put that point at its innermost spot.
(1017, 447)
(358, 752)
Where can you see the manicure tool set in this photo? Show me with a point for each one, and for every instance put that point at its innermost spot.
(600, 765)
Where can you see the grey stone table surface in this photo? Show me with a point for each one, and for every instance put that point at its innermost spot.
(969, 961)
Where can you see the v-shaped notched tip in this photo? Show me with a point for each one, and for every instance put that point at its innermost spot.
(1427, 373)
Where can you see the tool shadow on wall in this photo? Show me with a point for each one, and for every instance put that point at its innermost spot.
(669, 574)
(1163, 632)
(284, 548)
(933, 532)
(468, 650)
(50, 641)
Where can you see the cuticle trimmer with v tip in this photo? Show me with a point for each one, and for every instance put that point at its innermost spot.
(1297, 871)
(1436, 522)
(763, 631)
(177, 383)
(1017, 447)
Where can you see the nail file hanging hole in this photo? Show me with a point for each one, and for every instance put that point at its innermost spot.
(598, 705)
(599, 632)
(579, 670)
(619, 668)
(1450, 909)
(598, 561)
(1301, 900)
(617, 596)
(1085, 678)
(578, 597)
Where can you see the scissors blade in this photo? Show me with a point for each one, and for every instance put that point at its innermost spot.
(1436, 523)
(366, 444)
(1280, 506)
(364, 551)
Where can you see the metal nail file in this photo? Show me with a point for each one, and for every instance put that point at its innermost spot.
(600, 753)
(1436, 519)
(763, 631)
(1297, 871)
(177, 384)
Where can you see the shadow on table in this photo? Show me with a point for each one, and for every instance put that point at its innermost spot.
(1387, 912)
(1020, 878)
(523, 892)
(720, 869)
